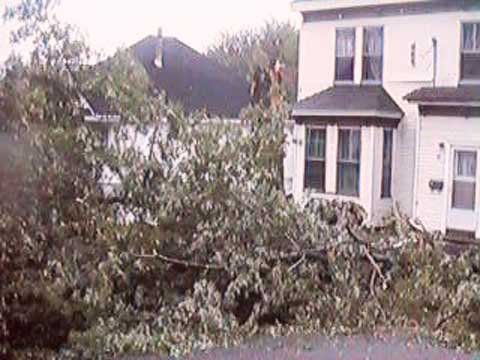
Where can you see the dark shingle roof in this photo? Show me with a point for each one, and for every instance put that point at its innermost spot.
(189, 78)
(457, 95)
(351, 101)
(193, 79)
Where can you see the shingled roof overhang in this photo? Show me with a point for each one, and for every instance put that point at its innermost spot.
(463, 101)
(352, 103)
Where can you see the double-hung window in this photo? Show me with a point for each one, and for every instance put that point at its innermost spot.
(464, 180)
(470, 55)
(315, 159)
(372, 70)
(348, 172)
(345, 55)
(387, 163)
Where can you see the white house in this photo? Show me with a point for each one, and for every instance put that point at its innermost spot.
(389, 108)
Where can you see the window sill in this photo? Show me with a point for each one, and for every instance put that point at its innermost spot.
(314, 191)
(469, 82)
(352, 196)
(343, 82)
(371, 82)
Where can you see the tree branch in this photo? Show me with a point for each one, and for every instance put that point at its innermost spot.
(184, 263)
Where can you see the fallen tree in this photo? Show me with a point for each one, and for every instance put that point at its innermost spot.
(215, 252)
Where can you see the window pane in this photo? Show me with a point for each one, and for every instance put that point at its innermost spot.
(348, 179)
(466, 164)
(373, 42)
(387, 164)
(468, 41)
(373, 54)
(344, 145)
(345, 54)
(349, 148)
(315, 175)
(470, 66)
(356, 140)
(344, 68)
(372, 68)
(315, 159)
(464, 195)
(316, 144)
(345, 43)
(477, 37)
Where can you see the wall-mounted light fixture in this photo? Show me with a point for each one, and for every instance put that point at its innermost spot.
(441, 152)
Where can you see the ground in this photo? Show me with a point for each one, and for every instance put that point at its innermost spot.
(342, 348)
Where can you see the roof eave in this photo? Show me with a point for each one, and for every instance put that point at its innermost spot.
(343, 113)
(323, 5)
(423, 102)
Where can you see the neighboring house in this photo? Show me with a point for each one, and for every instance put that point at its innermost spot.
(186, 77)
(389, 108)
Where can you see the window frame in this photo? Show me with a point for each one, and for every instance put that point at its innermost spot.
(456, 177)
(476, 24)
(364, 55)
(341, 161)
(384, 194)
(317, 160)
(354, 31)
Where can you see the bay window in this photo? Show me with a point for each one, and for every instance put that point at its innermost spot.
(348, 172)
(315, 159)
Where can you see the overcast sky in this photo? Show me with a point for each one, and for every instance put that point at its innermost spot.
(109, 24)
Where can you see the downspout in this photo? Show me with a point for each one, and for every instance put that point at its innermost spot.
(417, 165)
(372, 183)
(435, 61)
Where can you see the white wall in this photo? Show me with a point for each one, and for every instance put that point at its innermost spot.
(433, 163)
(317, 62)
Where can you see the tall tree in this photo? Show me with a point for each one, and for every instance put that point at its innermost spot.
(254, 53)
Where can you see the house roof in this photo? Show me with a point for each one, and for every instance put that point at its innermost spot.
(461, 95)
(350, 101)
(193, 79)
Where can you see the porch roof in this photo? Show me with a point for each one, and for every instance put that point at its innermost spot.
(350, 101)
(464, 95)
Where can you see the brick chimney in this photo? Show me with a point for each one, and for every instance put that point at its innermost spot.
(159, 50)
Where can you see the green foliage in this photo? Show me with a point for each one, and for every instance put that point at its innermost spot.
(247, 50)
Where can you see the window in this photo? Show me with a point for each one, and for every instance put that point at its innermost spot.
(349, 145)
(373, 54)
(315, 159)
(465, 172)
(345, 55)
(470, 62)
(387, 163)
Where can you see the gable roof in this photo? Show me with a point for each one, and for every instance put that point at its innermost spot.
(187, 77)
(461, 95)
(350, 101)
